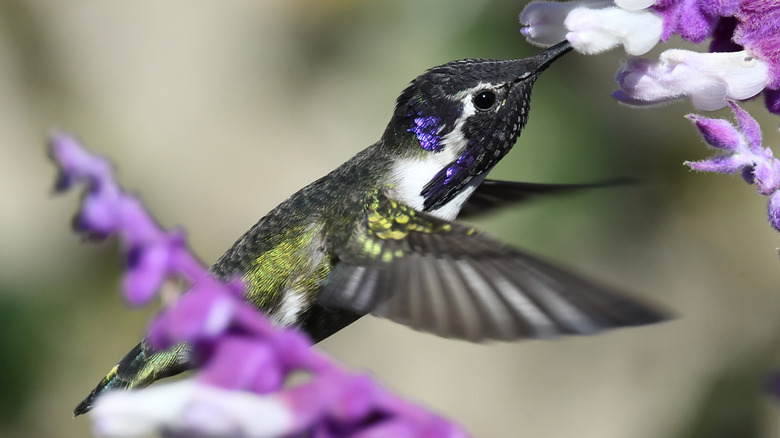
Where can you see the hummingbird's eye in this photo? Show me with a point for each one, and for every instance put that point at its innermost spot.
(484, 100)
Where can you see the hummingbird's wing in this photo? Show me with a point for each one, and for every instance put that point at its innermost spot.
(493, 194)
(451, 280)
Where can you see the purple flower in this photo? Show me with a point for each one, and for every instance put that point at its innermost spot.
(758, 31)
(244, 361)
(748, 28)
(742, 153)
(152, 254)
(708, 79)
(693, 20)
(592, 26)
(243, 365)
(76, 164)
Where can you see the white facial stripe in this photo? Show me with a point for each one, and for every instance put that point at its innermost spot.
(454, 141)
(455, 138)
(412, 174)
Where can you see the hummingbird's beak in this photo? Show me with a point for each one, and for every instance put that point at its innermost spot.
(543, 60)
(530, 68)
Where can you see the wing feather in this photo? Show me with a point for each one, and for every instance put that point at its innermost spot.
(491, 195)
(534, 321)
(453, 281)
(496, 316)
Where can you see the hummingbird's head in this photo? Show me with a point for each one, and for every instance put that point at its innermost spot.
(453, 123)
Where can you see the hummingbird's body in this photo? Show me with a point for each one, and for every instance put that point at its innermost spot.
(376, 234)
(288, 254)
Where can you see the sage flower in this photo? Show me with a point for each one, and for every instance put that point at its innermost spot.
(744, 46)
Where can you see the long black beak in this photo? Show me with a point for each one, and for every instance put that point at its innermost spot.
(543, 60)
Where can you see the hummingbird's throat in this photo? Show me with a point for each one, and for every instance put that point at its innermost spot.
(427, 130)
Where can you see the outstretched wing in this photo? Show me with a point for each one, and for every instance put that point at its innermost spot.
(493, 194)
(451, 280)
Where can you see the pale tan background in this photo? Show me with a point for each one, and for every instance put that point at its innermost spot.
(217, 111)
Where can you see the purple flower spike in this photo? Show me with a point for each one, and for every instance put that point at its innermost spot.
(106, 209)
(244, 364)
(202, 314)
(75, 163)
(743, 154)
(194, 409)
(100, 213)
(356, 400)
(239, 392)
(147, 268)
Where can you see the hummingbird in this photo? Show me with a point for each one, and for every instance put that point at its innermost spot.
(378, 234)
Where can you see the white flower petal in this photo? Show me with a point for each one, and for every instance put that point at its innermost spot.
(138, 413)
(745, 75)
(593, 26)
(594, 31)
(634, 5)
(709, 79)
(191, 407)
(219, 316)
(544, 20)
(709, 96)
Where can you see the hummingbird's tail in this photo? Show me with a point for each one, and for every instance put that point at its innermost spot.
(140, 367)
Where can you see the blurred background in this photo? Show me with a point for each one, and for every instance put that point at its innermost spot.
(217, 111)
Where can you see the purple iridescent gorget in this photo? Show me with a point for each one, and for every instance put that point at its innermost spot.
(426, 129)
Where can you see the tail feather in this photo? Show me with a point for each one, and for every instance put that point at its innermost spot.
(139, 368)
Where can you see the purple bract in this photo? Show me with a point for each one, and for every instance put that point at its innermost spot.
(743, 154)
